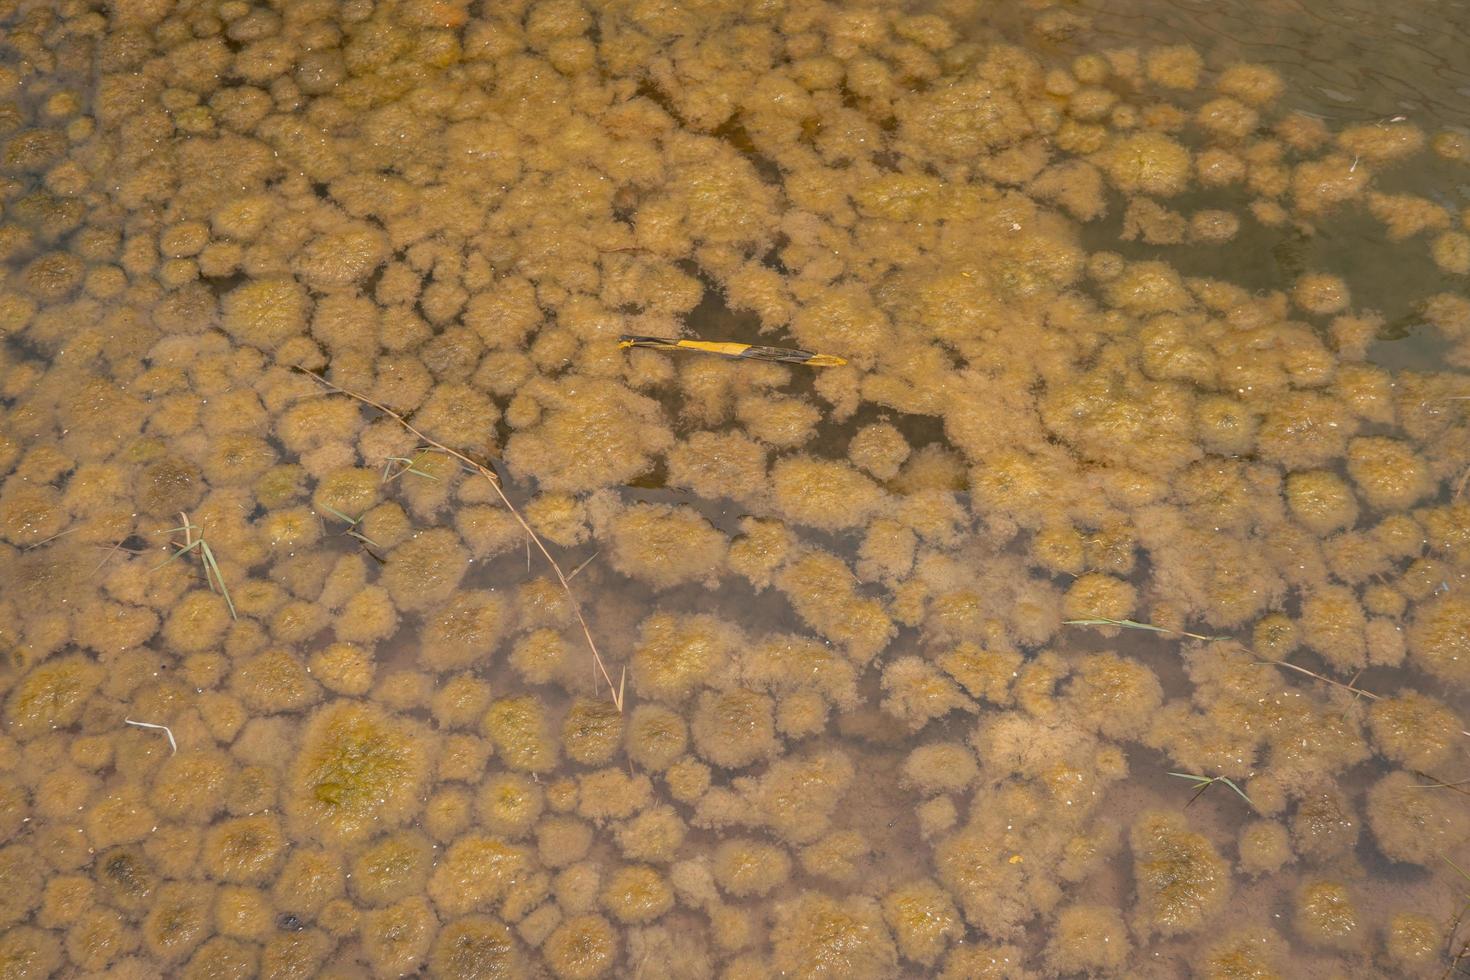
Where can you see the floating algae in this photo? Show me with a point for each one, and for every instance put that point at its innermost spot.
(1111, 467)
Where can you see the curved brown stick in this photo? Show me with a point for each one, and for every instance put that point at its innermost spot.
(616, 690)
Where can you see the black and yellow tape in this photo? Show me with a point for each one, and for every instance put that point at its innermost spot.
(785, 355)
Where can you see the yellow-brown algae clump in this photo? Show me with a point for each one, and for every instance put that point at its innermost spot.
(880, 449)
(509, 804)
(561, 841)
(923, 919)
(447, 813)
(916, 692)
(1264, 847)
(1412, 825)
(1414, 730)
(24, 875)
(397, 938)
(190, 786)
(266, 312)
(581, 948)
(310, 879)
(463, 631)
(1319, 186)
(521, 734)
(1325, 825)
(823, 493)
(654, 835)
(1451, 252)
(358, 769)
(592, 731)
(541, 656)
(295, 954)
(1413, 941)
(1325, 915)
(823, 591)
(656, 736)
(819, 936)
(1304, 429)
(30, 514)
(1382, 143)
(1099, 596)
(197, 622)
(460, 701)
(940, 767)
(476, 947)
(984, 673)
(1089, 939)
(177, 921)
(666, 546)
(593, 433)
(221, 957)
(245, 850)
(1333, 624)
(718, 464)
(1320, 294)
(274, 681)
(744, 867)
(462, 758)
(1181, 881)
(612, 794)
(778, 421)
(476, 869)
(762, 547)
(1246, 953)
(558, 518)
(344, 668)
(51, 696)
(1439, 638)
(734, 728)
(676, 655)
(1320, 501)
(1147, 163)
(1112, 695)
(1389, 474)
(796, 796)
(28, 952)
(393, 868)
(425, 570)
(637, 894)
(96, 938)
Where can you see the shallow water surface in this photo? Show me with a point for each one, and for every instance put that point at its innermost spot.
(366, 610)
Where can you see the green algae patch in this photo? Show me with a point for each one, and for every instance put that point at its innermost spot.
(360, 769)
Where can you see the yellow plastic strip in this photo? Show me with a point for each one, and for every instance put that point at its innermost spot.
(784, 355)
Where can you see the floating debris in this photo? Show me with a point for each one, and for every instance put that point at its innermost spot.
(755, 352)
(163, 728)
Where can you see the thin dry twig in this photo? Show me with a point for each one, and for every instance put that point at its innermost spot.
(1132, 624)
(583, 565)
(1357, 691)
(616, 690)
(58, 534)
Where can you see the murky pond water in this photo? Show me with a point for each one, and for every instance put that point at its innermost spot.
(367, 610)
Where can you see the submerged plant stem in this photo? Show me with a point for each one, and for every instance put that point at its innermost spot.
(615, 690)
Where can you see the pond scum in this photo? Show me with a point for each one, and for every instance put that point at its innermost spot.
(853, 734)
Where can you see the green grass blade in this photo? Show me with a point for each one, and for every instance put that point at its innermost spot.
(341, 515)
(177, 555)
(1238, 790)
(213, 566)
